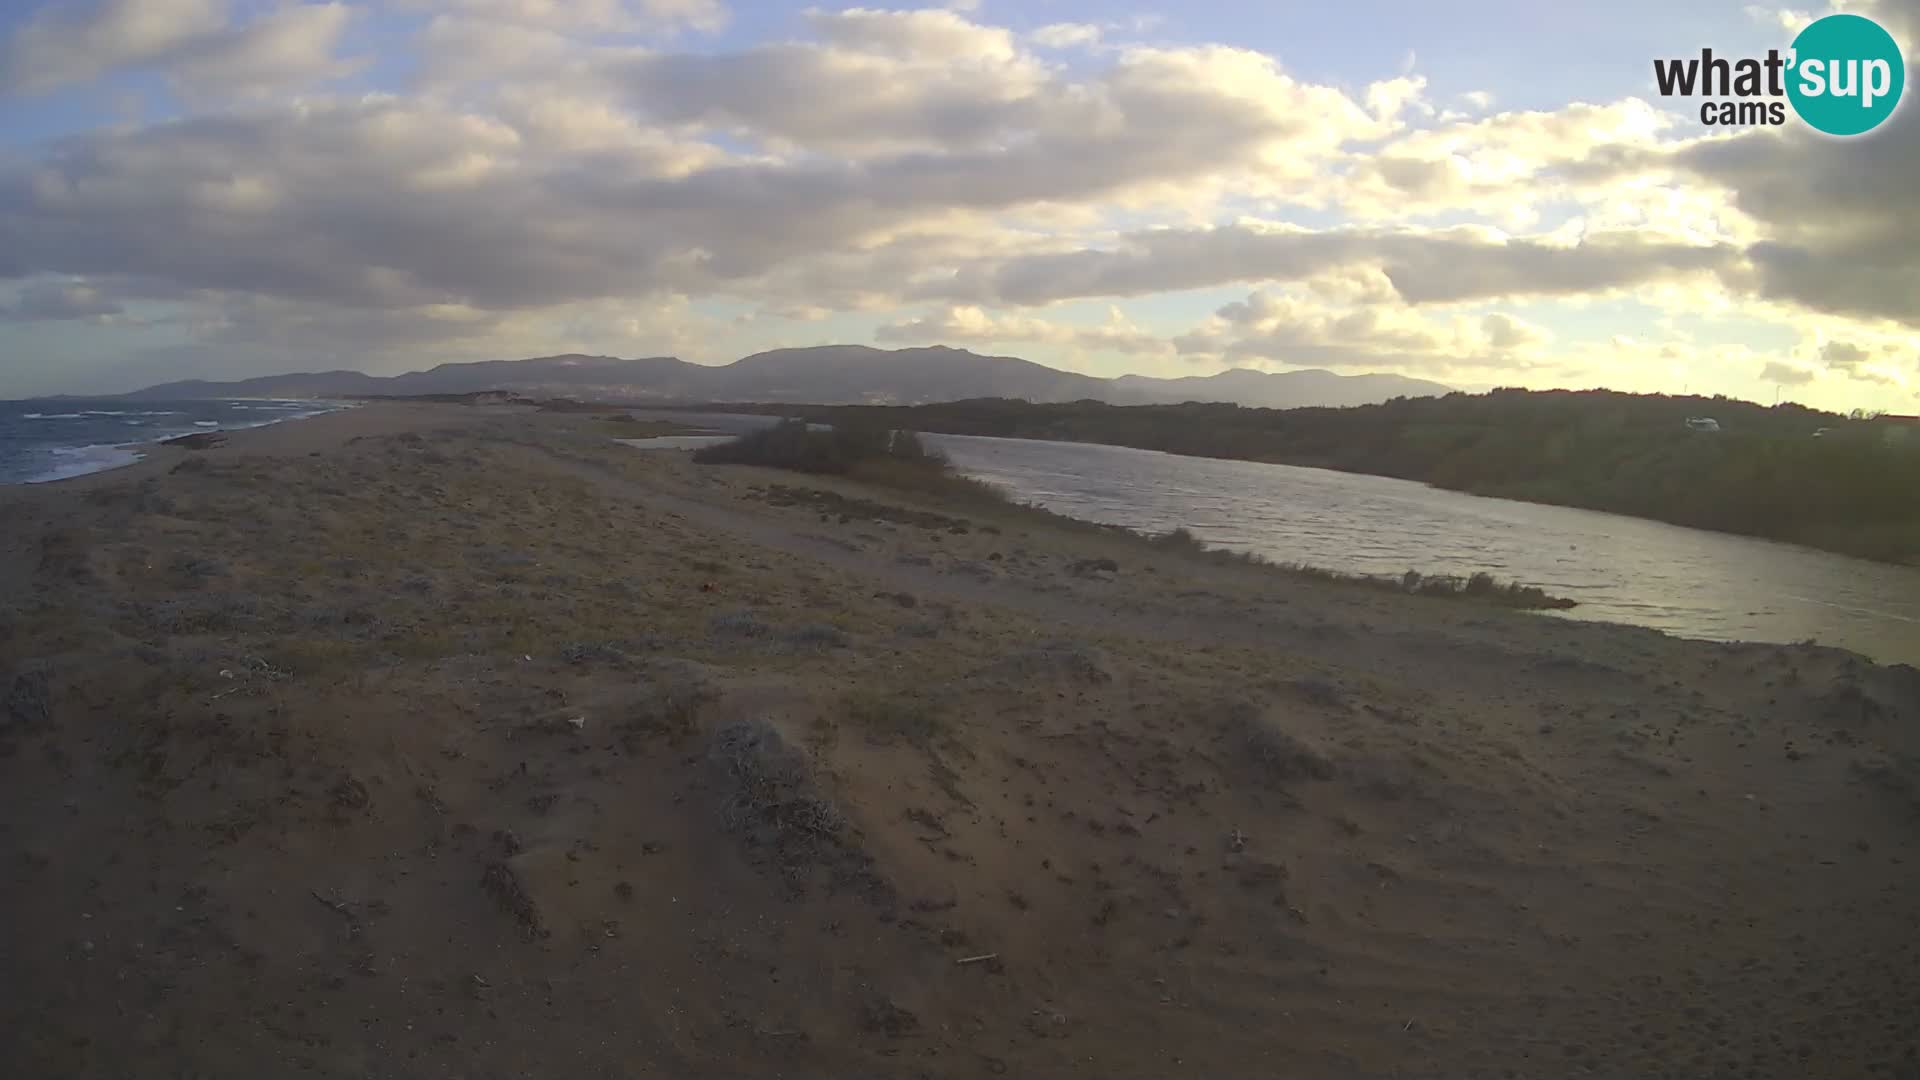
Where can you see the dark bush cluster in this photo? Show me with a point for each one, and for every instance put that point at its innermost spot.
(796, 445)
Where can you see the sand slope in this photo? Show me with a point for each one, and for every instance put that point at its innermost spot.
(438, 741)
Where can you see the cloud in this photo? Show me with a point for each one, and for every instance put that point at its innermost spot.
(1786, 373)
(1507, 166)
(1388, 98)
(1839, 225)
(61, 45)
(1422, 266)
(1843, 356)
(968, 323)
(547, 164)
(293, 45)
(1066, 35)
(909, 128)
(1504, 332)
(1786, 19)
(1301, 326)
(192, 41)
(1839, 219)
(58, 301)
(581, 16)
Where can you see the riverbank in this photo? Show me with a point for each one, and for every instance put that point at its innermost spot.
(423, 739)
(1853, 489)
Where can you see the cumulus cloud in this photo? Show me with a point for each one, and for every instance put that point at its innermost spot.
(1066, 35)
(550, 163)
(1844, 356)
(1505, 332)
(292, 45)
(63, 45)
(1838, 219)
(1302, 326)
(1507, 166)
(574, 16)
(387, 202)
(1786, 373)
(968, 323)
(1422, 266)
(191, 40)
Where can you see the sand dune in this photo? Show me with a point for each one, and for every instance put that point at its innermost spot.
(422, 740)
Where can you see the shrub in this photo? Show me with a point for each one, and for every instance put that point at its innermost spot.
(817, 637)
(797, 445)
(1180, 539)
(1277, 755)
(1481, 586)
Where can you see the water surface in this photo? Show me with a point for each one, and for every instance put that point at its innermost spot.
(1621, 569)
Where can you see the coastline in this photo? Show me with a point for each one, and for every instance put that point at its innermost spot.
(317, 431)
(377, 728)
(106, 457)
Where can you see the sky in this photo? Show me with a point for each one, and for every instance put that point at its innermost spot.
(1488, 194)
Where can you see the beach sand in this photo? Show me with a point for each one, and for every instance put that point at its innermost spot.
(429, 740)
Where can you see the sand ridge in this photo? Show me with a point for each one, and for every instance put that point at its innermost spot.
(428, 740)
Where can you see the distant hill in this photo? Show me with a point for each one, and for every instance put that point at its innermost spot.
(826, 374)
(1272, 389)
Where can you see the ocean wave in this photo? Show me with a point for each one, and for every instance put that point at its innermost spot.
(283, 418)
(64, 462)
(72, 461)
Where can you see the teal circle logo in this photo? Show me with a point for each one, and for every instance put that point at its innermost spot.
(1846, 75)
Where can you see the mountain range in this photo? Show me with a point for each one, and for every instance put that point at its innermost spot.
(824, 375)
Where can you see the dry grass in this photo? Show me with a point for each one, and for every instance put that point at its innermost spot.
(1480, 587)
(1279, 757)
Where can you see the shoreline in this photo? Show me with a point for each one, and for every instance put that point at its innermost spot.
(138, 450)
(324, 430)
(374, 729)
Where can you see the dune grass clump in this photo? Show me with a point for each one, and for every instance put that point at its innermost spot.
(770, 795)
(1481, 587)
(1278, 756)
(886, 720)
(835, 451)
(770, 799)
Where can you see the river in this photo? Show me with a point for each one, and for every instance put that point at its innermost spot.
(1684, 581)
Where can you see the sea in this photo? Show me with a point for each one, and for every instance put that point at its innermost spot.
(53, 439)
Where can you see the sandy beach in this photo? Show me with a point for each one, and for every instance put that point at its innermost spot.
(431, 740)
